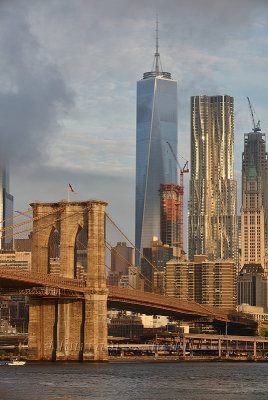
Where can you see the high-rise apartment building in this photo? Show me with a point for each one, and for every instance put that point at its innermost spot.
(156, 124)
(254, 210)
(212, 219)
(206, 282)
(6, 210)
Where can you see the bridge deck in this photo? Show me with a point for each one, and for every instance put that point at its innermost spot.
(120, 298)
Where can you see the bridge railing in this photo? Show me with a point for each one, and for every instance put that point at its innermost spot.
(40, 278)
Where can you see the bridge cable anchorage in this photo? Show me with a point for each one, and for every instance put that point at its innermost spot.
(146, 259)
(131, 265)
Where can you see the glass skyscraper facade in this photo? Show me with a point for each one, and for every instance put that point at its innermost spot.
(155, 165)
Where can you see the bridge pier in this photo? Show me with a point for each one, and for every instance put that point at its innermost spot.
(40, 331)
(73, 330)
(95, 331)
(61, 328)
(219, 348)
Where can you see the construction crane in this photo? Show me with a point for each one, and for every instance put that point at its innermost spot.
(184, 170)
(256, 127)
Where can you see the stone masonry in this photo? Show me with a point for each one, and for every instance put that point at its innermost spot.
(69, 328)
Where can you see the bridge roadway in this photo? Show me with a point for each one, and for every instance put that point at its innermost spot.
(14, 281)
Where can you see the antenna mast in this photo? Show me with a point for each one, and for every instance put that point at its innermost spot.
(156, 54)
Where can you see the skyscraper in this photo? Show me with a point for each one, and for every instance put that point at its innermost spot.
(156, 124)
(6, 210)
(254, 210)
(171, 214)
(212, 220)
(122, 258)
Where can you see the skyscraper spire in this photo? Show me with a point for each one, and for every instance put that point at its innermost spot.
(157, 70)
(156, 54)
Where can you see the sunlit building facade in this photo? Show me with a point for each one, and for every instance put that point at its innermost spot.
(212, 219)
(155, 165)
(254, 210)
(203, 281)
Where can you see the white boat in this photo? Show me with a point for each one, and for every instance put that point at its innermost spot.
(16, 362)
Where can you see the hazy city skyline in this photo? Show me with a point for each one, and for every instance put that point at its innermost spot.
(68, 87)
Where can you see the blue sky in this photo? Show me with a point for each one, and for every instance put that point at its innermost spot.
(68, 72)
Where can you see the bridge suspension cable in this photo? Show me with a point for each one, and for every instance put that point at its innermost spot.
(206, 308)
(145, 258)
(128, 283)
(36, 218)
(112, 249)
(29, 221)
(15, 216)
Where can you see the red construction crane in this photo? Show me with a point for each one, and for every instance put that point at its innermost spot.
(256, 127)
(183, 171)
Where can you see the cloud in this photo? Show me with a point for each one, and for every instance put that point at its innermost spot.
(97, 155)
(68, 73)
(33, 94)
(50, 184)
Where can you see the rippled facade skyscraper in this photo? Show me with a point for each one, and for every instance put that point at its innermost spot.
(155, 165)
(212, 219)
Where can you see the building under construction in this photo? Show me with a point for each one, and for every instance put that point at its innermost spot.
(171, 215)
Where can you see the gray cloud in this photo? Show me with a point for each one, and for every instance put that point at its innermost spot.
(51, 184)
(68, 74)
(33, 93)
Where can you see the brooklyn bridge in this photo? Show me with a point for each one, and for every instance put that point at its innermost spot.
(67, 314)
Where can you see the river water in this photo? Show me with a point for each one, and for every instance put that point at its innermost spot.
(135, 381)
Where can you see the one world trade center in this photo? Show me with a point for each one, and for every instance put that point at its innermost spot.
(156, 125)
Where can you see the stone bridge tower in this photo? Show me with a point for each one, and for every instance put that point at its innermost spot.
(74, 328)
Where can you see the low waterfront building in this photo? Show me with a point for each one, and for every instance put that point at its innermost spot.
(127, 326)
(16, 259)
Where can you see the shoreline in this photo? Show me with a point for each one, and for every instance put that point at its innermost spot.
(187, 359)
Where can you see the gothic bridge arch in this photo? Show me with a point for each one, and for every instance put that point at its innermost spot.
(69, 329)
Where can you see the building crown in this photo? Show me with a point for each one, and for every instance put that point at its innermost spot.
(157, 70)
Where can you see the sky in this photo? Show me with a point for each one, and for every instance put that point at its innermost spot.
(68, 73)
